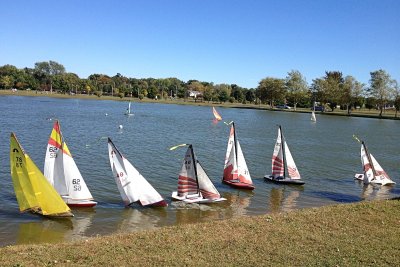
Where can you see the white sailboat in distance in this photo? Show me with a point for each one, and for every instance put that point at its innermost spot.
(128, 110)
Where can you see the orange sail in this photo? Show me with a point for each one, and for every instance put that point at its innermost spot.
(216, 114)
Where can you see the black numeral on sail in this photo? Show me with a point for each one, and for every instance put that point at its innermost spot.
(18, 162)
(187, 164)
(53, 151)
(77, 185)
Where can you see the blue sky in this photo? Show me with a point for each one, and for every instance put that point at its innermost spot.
(220, 41)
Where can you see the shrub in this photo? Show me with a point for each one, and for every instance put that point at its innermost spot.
(98, 93)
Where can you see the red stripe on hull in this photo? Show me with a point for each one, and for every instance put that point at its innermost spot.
(161, 203)
(239, 185)
(82, 205)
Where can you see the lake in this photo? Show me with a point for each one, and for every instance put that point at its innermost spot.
(325, 153)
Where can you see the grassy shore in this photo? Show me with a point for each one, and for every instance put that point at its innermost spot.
(358, 234)
(388, 114)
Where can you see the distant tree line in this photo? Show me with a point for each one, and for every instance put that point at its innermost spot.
(332, 90)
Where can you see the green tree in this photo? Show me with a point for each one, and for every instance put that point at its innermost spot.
(152, 92)
(270, 90)
(6, 81)
(396, 97)
(47, 70)
(297, 88)
(250, 95)
(381, 88)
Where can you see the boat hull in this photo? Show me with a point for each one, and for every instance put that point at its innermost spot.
(82, 205)
(239, 185)
(359, 176)
(160, 204)
(79, 203)
(195, 199)
(54, 216)
(285, 180)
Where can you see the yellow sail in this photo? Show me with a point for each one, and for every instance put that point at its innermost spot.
(32, 190)
(22, 186)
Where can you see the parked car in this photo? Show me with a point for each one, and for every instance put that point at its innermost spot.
(319, 108)
(283, 106)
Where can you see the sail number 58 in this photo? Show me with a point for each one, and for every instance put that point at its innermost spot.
(77, 184)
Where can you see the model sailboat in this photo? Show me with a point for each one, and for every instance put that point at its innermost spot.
(313, 118)
(372, 170)
(236, 173)
(34, 193)
(284, 169)
(61, 171)
(132, 186)
(128, 110)
(216, 114)
(194, 185)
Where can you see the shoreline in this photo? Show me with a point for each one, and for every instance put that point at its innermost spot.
(336, 235)
(373, 114)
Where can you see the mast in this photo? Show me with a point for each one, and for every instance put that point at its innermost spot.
(283, 151)
(369, 159)
(195, 168)
(234, 143)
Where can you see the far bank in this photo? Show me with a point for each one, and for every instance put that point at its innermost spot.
(366, 113)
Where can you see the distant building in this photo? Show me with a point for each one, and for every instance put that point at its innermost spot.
(194, 94)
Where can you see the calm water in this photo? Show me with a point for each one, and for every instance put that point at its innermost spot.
(325, 153)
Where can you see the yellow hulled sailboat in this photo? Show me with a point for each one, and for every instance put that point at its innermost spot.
(34, 193)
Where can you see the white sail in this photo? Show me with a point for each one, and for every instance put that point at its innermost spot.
(243, 171)
(278, 167)
(368, 172)
(293, 173)
(128, 110)
(131, 184)
(313, 118)
(236, 172)
(187, 182)
(54, 168)
(76, 186)
(62, 172)
(206, 187)
(230, 166)
(380, 176)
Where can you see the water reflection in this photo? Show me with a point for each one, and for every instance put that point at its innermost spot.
(237, 202)
(49, 231)
(137, 219)
(282, 199)
(375, 192)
